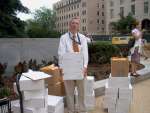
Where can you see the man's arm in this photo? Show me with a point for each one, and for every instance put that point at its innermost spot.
(85, 56)
(61, 50)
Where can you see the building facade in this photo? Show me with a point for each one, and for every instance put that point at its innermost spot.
(140, 9)
(91, 13)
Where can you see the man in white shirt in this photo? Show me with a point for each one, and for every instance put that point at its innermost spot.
(74, 42)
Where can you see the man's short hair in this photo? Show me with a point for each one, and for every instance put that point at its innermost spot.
(74, 18)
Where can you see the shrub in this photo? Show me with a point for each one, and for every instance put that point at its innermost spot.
(4, 92)
(101, 52)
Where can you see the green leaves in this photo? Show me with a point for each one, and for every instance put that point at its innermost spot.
(4, 92)
(123, 25)
(101, 52)
(43, 24)
(10, 25)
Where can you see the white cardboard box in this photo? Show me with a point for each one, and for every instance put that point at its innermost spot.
(90, 101)
(119, 82)
(34, 94)
(111, 91)
(35, 103)
(59, 109)
(126, 93)
(54, 102)
(109, 102)
(28, 84)
(123, 106)
(16, 109)
(89, 85)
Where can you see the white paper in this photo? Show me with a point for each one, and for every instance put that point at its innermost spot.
(72, 64)
(36, 75)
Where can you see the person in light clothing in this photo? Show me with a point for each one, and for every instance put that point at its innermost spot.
(74, 42)
(136, 50)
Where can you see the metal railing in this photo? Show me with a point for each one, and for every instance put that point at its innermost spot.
(5, 105)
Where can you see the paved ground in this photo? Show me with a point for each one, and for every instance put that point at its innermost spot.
(141, 99)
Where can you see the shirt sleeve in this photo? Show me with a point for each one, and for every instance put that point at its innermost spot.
(61, 50)
(85, 53)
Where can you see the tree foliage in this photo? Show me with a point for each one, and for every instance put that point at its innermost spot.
(10, 25)
(124, 24)
(43, 24)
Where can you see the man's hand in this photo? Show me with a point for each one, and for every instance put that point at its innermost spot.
(85, 71)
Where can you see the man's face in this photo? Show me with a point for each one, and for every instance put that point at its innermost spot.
(74, 25)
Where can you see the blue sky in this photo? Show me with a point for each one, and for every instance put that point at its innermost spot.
(35, 4)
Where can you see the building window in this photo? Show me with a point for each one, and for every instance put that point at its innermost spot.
(84, 12)
(98, 21)
(121, 2)
(83, 28)
(111, 3)
(83, 20)
(122, 11)
(103, 29)
(146, 7)
(103, 6)
(112, 13)
(77, 13)
(97, 5)
(84, 4)
(102, 21)
(133, 9)
(77, 5)
(132, 0)
(102, 13)
(74, 6)
(97, 13)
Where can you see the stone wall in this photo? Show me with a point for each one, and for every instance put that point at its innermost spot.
(19, 49)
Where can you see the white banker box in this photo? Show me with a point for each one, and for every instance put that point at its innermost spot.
(34, 94)
(119, 82)
(35, 103)
(55, 104)
(89, 85)
(32, 80)
(126, 93)
(72, 64)
(110, 98)
(28, 84)
(16, 109)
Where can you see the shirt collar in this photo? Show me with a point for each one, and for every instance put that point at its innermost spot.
(72, 34)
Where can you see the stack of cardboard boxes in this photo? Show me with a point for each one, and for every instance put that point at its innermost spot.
(89, 94)
(55, 83)
(35, 96)
(118, 89)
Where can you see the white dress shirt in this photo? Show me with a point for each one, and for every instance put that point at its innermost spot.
(65, 46)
